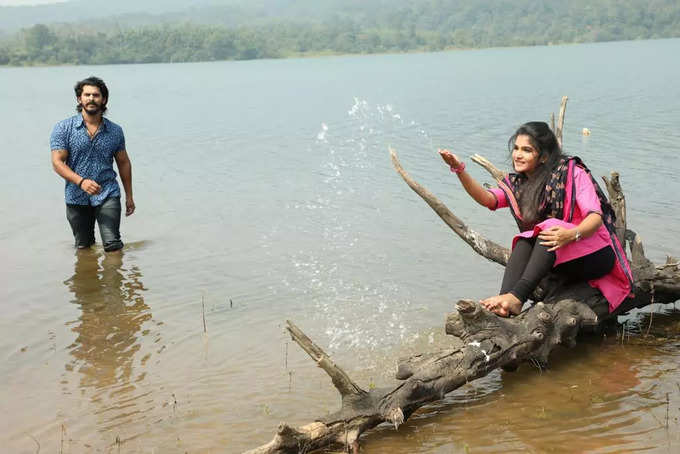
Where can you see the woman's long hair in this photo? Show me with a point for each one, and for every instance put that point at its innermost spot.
(532, 189)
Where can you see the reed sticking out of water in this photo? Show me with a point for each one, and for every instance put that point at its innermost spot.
(651, 302)
(231, 304)
(61, 443)
(668, 404)
(36, 442)
(623, 332)
(205, 329)
(651, 318)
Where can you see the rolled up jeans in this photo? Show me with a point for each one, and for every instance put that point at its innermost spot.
(107, 216)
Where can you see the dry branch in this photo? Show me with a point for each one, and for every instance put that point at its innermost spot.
(341, 381)
(560, 120)
(552, 121)
(482, 161)
(485, 248)
(618, 202)
(482, 342)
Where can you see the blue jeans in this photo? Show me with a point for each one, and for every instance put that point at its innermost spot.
(107, 216)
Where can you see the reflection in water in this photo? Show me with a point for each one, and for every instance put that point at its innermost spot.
(109, 333)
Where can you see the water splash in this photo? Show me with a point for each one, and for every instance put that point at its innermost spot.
(321, 136)
(355, 311)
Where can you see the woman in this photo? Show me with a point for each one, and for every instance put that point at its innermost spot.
(566, 223)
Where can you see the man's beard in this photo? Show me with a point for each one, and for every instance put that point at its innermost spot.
(93, 108)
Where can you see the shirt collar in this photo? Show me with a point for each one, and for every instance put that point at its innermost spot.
(80, 122)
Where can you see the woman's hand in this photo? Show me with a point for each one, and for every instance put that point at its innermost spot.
(556, 237)
(474, 189)
(450, 158)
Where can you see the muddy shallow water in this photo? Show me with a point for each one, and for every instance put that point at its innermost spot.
(269, 197)
(600, 397)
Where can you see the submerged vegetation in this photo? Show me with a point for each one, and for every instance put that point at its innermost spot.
(349, 27)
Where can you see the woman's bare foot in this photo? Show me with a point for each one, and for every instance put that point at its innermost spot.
(504, 305)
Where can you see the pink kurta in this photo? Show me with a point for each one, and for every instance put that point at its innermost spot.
(615, 286)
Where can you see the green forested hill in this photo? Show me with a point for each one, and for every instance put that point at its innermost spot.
(281, 28)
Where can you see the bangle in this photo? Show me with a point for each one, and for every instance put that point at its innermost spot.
(578, 235)
(80, 185)
(458, 169)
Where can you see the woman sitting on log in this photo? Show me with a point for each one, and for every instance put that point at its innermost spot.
(566, 223)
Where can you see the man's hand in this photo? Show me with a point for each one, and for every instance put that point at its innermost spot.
(129, 206)
(90, 186)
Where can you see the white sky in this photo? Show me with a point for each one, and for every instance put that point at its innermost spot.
(28, 2)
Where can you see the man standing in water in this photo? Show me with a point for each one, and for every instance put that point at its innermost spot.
(83, 149)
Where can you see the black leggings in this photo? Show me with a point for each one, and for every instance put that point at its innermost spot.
(530, 262)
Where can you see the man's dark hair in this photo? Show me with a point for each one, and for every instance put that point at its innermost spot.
(95, 82)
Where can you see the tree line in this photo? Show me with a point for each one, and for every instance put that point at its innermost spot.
(428, 25)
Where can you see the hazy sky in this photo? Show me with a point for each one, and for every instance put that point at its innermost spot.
(27, 2)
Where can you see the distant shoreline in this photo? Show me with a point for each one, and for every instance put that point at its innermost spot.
(322, 54)
(80, 32)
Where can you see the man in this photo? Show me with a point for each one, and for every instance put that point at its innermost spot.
(83, 149)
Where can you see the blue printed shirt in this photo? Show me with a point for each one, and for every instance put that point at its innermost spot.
(91, 158)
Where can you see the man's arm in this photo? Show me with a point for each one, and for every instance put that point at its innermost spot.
(59, 165)
(125, 171)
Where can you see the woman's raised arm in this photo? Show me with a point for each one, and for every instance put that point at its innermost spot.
(472, 187)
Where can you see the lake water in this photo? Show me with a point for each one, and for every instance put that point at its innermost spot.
(265, 192)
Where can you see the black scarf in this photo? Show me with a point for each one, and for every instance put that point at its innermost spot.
(552, 200)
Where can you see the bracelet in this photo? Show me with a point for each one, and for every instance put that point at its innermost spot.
(80, 185)
(577, 236)
(458, 169)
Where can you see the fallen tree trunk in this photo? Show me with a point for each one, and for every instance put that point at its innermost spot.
(481, 340)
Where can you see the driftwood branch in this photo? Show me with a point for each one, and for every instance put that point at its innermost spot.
(552, 121)
(560, 120)
(485, 248)
(341, 381)
(486, 164)
(481, 341)
(618, 202)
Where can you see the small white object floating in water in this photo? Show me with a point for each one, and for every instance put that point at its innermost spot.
(585, 131)
(322, 134)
